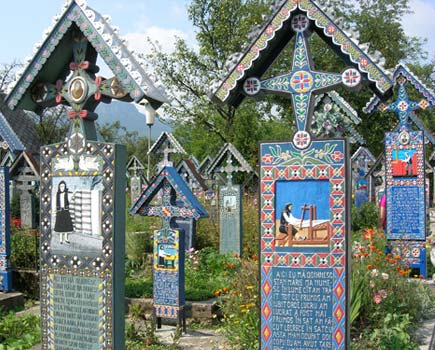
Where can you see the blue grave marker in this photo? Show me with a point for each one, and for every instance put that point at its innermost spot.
(405, 166)
(178, 202)
(5, 247)
(304, 199)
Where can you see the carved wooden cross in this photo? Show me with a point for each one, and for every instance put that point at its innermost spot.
(302, 82)
(403, 106)
(82, 90)
(229, 169)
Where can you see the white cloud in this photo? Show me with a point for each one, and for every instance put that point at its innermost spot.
(165, 38)
(421, 22)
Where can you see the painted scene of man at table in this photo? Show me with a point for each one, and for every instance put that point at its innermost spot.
(302, 213)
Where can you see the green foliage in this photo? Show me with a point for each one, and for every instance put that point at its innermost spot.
(394, 334)
(380, 287)
(24, 248)
(19, 332)
(207, 274)
(366, 216)
(15, 206)
(240, 307)
(139, 287)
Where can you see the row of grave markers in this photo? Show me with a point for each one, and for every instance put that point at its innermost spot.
(305, 183)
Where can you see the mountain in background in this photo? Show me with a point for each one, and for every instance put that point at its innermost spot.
(130, 118)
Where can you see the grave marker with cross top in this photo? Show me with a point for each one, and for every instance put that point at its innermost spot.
(82, 179)
(295, 245)
(177, 201)
(229, 161)
(405, 181)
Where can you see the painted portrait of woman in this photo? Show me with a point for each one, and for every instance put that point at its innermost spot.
(63, 224)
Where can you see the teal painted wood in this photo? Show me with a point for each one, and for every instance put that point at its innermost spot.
(82, 244)
(230, 210)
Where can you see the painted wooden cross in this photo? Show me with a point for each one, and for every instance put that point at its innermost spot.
(168, 268)
(302, 81)
(82, 90)
(403, 106)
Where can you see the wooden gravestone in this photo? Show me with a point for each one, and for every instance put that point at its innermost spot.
(5, 247)
(135, 169)
(168, 262)
(25, 175)
(405, 185)
(361, 162)
(228, 162)
(304, 200)
(82, 179)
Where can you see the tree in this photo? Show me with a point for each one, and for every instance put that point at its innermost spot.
(222, 29)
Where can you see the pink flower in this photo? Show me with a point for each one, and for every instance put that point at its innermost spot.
(383, 293)
(374, 273)
(377, 299)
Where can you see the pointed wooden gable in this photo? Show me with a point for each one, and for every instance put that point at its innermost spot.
(187, 204)
(363, 153)
(53, 59)
(223, 162)
(167, 143)
(135, 166)
(186, 168)
(272, 38)
(203, 166)
(333, 112)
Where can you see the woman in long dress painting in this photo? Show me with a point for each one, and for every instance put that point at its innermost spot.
(63, 225)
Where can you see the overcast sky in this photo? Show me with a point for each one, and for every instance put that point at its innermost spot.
(22, 23)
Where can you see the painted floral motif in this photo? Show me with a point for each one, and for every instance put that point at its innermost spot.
(326, 155)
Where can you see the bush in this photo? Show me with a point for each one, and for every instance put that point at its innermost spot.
(240, 307)
(382, 296)
(138, 288)
(19, 332)
(24, 249)
(366, 216)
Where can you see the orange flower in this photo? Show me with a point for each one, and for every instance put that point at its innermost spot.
(369, 234)
(369, 267)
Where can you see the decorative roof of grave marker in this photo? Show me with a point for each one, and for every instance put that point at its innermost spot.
(52, 57)
(276, 33)
(187, 165)
(134, 164)
(226, 152)
(167, 141)
(17, 130)
(363, 151)
(190, 207)
(25, 158)
(337, 113)
(203, 166)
